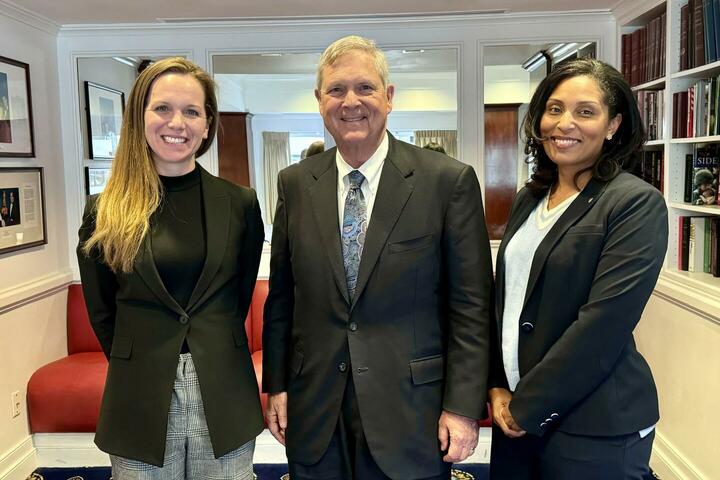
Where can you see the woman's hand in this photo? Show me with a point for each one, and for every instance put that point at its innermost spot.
(500, 399)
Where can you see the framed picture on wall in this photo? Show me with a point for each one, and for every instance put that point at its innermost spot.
(95, 179)
(104, 107)
(22, 209)
(16, 125)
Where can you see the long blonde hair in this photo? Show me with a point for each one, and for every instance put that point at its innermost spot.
(134, 191)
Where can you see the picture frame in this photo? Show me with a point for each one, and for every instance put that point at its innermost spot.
(95, 179)
(16, 120)
(22, 209)
(104, 107)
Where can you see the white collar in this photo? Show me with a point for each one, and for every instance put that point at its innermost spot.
(370, 169)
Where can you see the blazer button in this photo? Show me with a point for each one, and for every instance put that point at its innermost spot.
(184, 319)
(342, 367)
(527, 327)
(543, 424)
(353, 326)
(554, 416)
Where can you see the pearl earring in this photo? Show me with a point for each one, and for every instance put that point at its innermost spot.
(609, 136)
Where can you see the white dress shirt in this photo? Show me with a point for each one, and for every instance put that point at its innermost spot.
(371, 170)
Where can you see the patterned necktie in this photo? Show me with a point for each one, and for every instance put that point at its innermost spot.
(353, 229)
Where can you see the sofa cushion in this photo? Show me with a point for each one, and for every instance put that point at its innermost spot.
(65, 395)
(80, 335)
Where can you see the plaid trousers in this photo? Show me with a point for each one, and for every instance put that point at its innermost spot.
(188, 451)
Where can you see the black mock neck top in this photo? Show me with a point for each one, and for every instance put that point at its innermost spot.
(178, 235)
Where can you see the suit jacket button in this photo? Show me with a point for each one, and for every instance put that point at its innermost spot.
(543, 424)
(554, 416)
(184, 319)
(342, 367)
(353, 326)
(527, 327)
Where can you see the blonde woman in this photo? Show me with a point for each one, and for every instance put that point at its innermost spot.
(168, 258)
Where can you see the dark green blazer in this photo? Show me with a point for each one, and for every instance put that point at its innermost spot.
(141, 329)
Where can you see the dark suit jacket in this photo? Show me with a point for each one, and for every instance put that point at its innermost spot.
(589, 282)
(141, 329)
(415, 339)
(13, 214)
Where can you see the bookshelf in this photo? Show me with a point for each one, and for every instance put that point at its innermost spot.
(634, 15)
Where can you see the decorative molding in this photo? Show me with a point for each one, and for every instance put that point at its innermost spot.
(19, 462)
(670, 464)
(19, 295)
(268, 24)
(684, 296)
(28, 17)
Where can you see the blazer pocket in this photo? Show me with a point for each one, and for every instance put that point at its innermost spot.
(428, 369)
(586, 230)
(121, 347)
(240, 336)
(412, 244)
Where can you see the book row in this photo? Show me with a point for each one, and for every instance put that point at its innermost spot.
(651, 104)
(695, 110)
(698, 244)
(650, 168)
(643, 52)
(699, 33)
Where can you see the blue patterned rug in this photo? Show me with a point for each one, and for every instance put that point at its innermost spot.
(472, 471)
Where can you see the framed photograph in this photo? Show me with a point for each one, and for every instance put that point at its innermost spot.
(95, 179)
(104, 107)
(16, 124)
(22, 209)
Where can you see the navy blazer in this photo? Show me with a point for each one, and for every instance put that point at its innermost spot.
(590, 279)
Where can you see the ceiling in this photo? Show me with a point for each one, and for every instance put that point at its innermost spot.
(68, 12)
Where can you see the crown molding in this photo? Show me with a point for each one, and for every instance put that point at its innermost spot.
(28, 17)
(214, 25)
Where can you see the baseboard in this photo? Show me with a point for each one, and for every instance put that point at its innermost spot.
(79, 450)
(20, 462)
(68, 450)
(670, 464)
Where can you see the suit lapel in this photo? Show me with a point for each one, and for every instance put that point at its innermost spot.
(394, 190)
(145, 267)
(216, 204)
(584, 201)
(323, 194)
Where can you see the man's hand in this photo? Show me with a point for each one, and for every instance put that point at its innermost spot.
(500, 399)
(458, 435)
(276, 415)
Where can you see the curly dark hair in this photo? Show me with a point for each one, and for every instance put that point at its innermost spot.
(620, 153)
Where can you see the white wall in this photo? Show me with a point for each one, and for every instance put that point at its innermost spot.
(32, 296)
(679, 335)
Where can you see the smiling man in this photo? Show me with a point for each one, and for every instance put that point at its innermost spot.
(376, 329)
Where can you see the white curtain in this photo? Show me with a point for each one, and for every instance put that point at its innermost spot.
(445, 138)
(276, 156)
